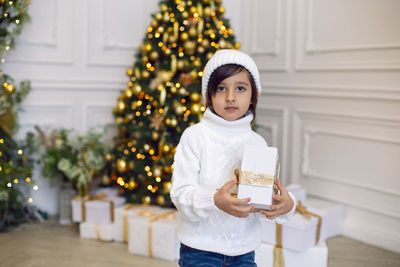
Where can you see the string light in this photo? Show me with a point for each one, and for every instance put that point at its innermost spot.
(35, 187)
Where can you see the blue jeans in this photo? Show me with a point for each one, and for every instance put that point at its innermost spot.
(190, 257)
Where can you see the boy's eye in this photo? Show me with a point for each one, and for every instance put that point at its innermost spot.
(241, 89)
(220, 89)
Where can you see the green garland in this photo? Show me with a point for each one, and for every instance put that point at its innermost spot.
(15, 164)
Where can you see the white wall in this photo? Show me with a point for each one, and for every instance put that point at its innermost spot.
(330, 77)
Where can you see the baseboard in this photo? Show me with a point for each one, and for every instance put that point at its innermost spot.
(375, 236)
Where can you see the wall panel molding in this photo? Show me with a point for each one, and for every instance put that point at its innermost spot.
(310, 55)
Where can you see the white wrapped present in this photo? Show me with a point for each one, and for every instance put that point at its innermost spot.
(97, 209)
(100, 232)
(259, 170)
(316, 256)
(299, 192)
(122, 216)
(306, 228)
(153, 234)
(108, 191)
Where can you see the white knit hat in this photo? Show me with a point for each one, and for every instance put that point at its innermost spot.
(229, 56)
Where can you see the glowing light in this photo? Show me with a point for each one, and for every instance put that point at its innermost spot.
(158, 179)
(16, 181)
(147, 168)
(30, 200)
(35, 187)
(149, 187)
(28, 179)
(9, 185)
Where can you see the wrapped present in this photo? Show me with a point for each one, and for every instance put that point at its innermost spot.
(153, 234)
(268, 255)
(259, 171)
(299, 192)
(100, 232)
(108, 191)
(306, 228)
(97, 209)
(122, 216)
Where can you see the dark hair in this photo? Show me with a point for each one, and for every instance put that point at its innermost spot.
(226, 71)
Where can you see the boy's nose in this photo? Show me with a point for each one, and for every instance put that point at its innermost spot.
(230, 95)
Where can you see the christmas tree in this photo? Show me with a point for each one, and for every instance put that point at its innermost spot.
(163, 95)
(15, 166)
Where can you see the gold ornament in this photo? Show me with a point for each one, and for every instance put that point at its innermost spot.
(201, 49)
(183, 91)
(158, 16)
(10, 89)
(207, 11)
(205, 43)
(121, 106)
(108, 157)
(160, 200)
(167, 187)
(147, 47)
(185, 14)
(106, 180)
(155, 136)
(195, 108)
(129, 72)
(174, 122)
(168, 122)
(173, 90)
(163, 7)
(209, 55)
(178, 109)
(121, 166)
(166, 148)
(145, 74)
(180, 64)
(167, 51)
(127, 93)
(237, 45)
(193, 9)
(154, 23)
(195, 97)
(146, 200)
(221, 10)
(153, 55)
(197, 62)
(222, 43)
(189, 47)
(192, 31)
(137, 89)
(184, 36)
(157, 171)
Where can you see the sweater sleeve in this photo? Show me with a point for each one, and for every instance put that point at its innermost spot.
(193, 200)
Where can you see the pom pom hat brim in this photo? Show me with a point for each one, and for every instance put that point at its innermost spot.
(229, 56)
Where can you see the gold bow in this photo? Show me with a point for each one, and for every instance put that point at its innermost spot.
(303, 210)
(169, 215)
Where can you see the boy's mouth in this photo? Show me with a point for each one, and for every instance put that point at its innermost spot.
(231, 108)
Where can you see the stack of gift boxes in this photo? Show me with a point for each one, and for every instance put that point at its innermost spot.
(147, 230)
(300, 241)
(151, 231)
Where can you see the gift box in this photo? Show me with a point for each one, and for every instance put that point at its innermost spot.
(268, 255)
(108, 191)
(259, 170)
(124, 213)
(100, 232)
(153, 234)
(98, 209)
(299, 192)
(308, 226)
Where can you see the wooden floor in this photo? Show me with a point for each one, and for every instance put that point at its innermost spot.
(50, 245)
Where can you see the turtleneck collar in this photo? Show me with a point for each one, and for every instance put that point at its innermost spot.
(216, 122)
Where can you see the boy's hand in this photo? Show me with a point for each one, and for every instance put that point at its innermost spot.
(284, 203)
(233, 206)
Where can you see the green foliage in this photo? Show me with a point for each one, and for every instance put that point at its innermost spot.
(67, 156)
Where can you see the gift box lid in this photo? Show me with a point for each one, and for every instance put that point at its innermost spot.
(118, 201)
(260, 159)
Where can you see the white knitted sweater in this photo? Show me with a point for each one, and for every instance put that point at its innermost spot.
(205, 159)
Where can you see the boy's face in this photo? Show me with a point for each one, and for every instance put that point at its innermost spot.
(233, 96)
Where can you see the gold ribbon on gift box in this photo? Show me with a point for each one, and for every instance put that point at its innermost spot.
(169, 215)
(127, 207)
(278, 255)
(260, 179)
(100, 197)
(303, 210)
(98, 233)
